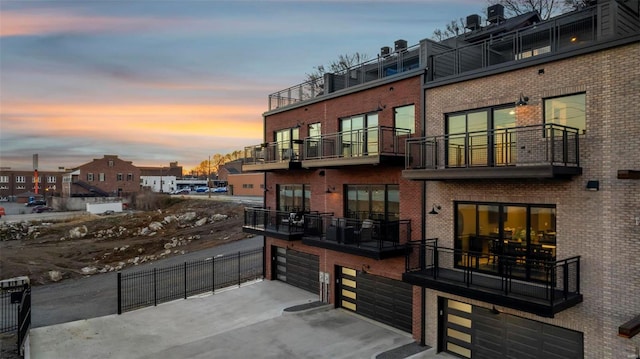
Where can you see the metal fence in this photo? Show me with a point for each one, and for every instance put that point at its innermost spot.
(158, 285)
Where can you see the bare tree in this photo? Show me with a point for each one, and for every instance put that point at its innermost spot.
(545, 8)
(343, 62)
(453, 28)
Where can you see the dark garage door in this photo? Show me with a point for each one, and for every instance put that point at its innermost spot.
(297, 268)
(479, 333)
(382, 299)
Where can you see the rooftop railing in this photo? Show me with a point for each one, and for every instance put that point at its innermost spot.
(273, 152)
(544, 144)
(562, 33)
(371, 70)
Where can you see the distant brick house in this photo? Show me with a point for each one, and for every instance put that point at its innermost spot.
(107, 176)
(20, 185)
(240, 183)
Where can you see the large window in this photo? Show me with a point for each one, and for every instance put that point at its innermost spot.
(359, 135)
(405, 117)
(566, 111)
(481, 137)
(379, 202)
(287, 144)
(490, 235)
(294, 197)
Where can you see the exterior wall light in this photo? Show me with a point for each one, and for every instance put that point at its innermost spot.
(523, 100)
(435, 209)
(593, 185)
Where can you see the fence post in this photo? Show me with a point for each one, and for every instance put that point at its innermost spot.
(185, 280)
(119, 293)
(238, 268)
(213, 274)
(155, 288)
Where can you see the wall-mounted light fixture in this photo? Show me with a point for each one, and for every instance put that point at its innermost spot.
(494, 310)
(321, 173)
(523, 100)
(266, 189)
(330, 189)
(298, 125)
(593, 185)
(435, 209)
(381, 107)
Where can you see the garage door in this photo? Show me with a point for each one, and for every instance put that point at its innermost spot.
(382, 299)
(297, 268)
(475, 332)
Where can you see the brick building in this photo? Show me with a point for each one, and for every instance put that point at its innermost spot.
(240, 183)
(19, 185)
(107, 176)
(481, 193)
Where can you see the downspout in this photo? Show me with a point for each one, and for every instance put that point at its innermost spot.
(264, 201)
(423, 211)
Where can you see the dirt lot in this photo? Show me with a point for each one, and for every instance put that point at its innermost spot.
(53, 251)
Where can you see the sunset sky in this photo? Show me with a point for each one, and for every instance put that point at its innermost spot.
(161, 81)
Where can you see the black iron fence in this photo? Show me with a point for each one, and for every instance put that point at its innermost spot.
(10, 298)
(159, 285)
(24, 319)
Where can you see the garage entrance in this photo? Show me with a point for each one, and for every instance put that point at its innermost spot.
(474, 332)
(296, 268)
(382, 299)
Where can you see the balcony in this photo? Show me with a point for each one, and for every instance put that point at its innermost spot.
(402, 60)
(272, 156)
(375, 239)
(552, 286)
(278, 224)
(369, 146)
(538, 151)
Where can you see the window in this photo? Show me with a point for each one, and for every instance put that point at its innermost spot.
(294, 197)
(119, 177)
(359, 135)
(89, 177)
(315, 138)
(405, 117)
(379, 202)
(21, 179)
(567, 111)
(488, 232)
(102, 177)
(51, 179)
(287, 144)
(4, 179)
(481, 137)
(247, 185)
(110, 163)
(130, 177)
(35, 179)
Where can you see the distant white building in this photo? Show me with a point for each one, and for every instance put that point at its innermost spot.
(159, 183)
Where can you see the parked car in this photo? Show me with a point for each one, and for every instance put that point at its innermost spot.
(37, 202)
(202, 189)
(181, 191)
(2, 212)
(41, 208)
(219, 189)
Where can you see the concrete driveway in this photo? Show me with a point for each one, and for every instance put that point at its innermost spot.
(246, 322)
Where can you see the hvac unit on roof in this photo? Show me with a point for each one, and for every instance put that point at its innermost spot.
(400, 45)
(495, 13)
(385, 51)
(473, 22)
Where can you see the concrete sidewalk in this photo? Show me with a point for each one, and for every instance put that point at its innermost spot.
(246, 322)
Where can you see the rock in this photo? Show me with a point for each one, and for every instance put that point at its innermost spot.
(155, 226)
(219, 217)
(201, 222)
(78, 232)
(89, 270)
(187, 217)
(55, 275)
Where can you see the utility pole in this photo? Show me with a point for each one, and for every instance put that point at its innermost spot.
(209, 177)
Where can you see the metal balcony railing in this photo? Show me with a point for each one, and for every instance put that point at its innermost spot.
(273, 152)
(269, 220)
(363, 233)
(545, 144)
(547, 281)
(375, 69)
(373, 141)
